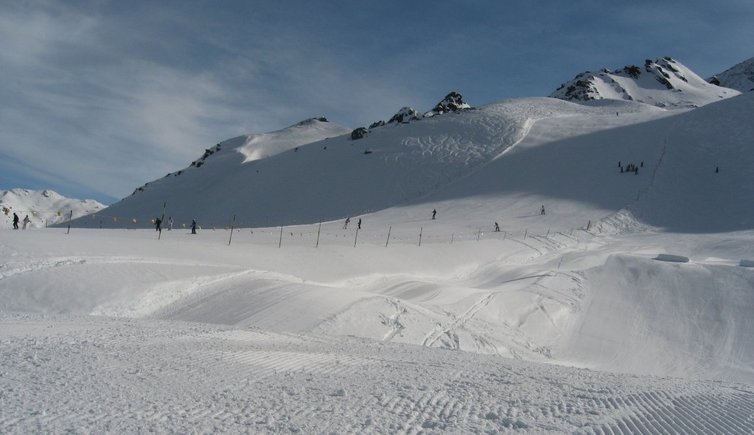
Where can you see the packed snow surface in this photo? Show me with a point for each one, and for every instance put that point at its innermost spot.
(564, 320)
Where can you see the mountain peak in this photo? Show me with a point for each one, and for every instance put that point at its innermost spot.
(739, 77)
(662, 82)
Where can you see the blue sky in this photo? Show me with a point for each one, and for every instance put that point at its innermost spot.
(99, 97)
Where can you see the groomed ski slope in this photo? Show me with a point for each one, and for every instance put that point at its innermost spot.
(565, 322)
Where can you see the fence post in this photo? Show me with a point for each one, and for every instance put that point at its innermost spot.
(280, 241)
(421, 229)
(356, 237)
(478, 233)
(318, 231)
(232, 224)
(525, 233)
(388, 236)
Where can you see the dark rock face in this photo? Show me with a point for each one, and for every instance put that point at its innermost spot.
(379, 123)
(406, 114)
(359, 133)
(452, 102)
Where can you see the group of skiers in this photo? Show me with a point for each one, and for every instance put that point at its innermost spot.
(158, 224)
(631, 167)
(434, 217)
(16, 219)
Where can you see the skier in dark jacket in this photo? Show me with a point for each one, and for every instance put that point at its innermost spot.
(157, 224)
(15, 221)
(193, 226)
(434, 213)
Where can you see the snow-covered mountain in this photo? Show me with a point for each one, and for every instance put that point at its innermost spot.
(739, 77)
(406, 163)
(44, 207)
(664, 82)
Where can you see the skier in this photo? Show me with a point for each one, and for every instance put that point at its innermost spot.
(157, 224)
(434, 213)
(542, 210)
(358, 224)
(345, 224)
(497, 228)
(15, 221)
(170, 223)
(26, 221)
(193, 226)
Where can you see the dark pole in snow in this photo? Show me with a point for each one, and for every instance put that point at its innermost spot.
(318, 231)
(421, 229)
(388, 236)
(356, 237)
(70, 216)
(232, 224)
(280, 242)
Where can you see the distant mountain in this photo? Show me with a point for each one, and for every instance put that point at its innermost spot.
(663, 82)
(739, 77)
(44, 207)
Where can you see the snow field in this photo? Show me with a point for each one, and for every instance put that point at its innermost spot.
(114, 330)
(130, 376)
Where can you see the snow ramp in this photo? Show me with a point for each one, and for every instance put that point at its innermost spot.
(672, 319)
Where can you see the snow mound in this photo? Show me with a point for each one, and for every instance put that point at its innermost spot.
(260, 146)
(663, 82)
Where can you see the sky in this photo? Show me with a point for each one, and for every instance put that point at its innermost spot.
(99, 97)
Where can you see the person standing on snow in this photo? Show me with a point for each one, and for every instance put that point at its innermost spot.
(497, 228)
(434, 213)
(15, 221)
(157, 224)
(358, 224)
(26, 221)
(193, 226)
(170, 223)
(542, 211)
(345, 224)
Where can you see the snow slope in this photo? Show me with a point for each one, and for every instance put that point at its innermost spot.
(95, 335)
(569, 321)
(739, 77)
(44, 207)
(664, 82)
(337, 177)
